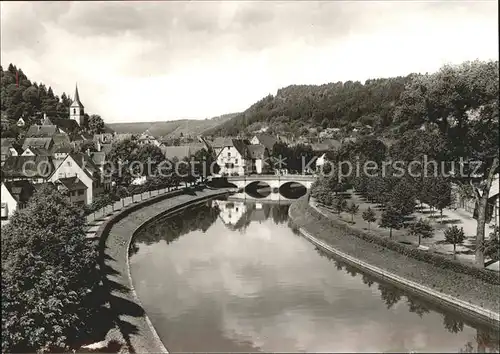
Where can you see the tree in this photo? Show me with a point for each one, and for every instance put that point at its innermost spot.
(95, 124)
(454, 235)
(352, 209)
(438, 190)
(422, 229)
(150, 156)
(206, 163)
(87, 145)
(51, 308)
(369, 216)
(120, 159)
(491, 247)
(402, 197)
(392, 219)
(462, 101)
(340, 204)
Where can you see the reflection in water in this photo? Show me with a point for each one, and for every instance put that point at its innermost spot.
(171, 228)
(239, 280)
(237, 215)
(487, 339)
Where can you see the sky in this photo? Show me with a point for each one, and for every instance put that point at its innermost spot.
(157, 61)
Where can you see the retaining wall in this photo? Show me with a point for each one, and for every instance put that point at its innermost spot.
(133, 326)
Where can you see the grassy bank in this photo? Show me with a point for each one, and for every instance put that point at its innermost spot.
(340, 236)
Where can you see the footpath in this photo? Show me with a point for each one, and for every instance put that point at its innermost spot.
(475, 298)
(131, 325)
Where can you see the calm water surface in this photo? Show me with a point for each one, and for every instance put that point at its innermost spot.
(231, 276)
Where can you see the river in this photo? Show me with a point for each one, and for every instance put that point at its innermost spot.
(232, 276)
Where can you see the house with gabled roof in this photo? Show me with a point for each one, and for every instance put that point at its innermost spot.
(73, 188)
(14, 196)
(260, 158)
(41, 131)
(10, 147)
(81, 166)
(36, 169)
(234, 158)
(264, 139)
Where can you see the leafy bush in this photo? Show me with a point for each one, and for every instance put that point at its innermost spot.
(369, 216)
(49, 309)
(454, 235)
(421, 228)
(491, 246)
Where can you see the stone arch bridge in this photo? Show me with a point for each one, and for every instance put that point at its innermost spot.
(275, 182)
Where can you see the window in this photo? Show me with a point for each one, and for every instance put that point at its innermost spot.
(73, 193)
(236, 161)
(5, 211)
(228, 154)
(80, 192)
(68, 163)
(61, 174)
(74, 110)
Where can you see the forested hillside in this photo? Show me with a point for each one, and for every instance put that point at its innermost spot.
(335, 105)
(29, 99)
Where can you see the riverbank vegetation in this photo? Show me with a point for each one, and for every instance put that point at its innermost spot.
(449, 115)
(50, 277)
(450, 137)
(474, 285)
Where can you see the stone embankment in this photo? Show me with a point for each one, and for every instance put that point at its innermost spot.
(132, 326)
(472, 297)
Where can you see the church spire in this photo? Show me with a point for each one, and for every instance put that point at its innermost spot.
(76, 110)
(76, 100)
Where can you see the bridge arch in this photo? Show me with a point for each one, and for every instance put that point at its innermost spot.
(292, 190)
(258, 189)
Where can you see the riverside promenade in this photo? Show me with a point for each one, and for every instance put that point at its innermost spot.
(472, 297)
(131, 326)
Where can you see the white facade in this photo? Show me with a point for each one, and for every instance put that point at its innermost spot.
(255, 140)
(320, 161)
(231, 162)
(9, 204)
(69, 168)
(231, 211)
(28, 152)
(60, 155)
(259, 164)
(13, 152)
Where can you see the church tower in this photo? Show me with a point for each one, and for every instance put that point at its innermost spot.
(76, 110)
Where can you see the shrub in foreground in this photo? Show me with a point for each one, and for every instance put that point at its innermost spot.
(49, 272)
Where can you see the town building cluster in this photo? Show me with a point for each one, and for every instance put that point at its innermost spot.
(46, 156)
(50, 153)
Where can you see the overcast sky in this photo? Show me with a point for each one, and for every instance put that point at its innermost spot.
(146, 61)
